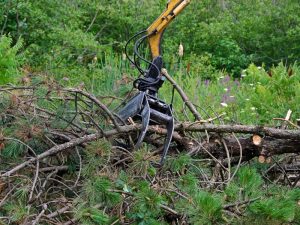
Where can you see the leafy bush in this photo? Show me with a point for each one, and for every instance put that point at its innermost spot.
(147, 206)
(58, 33)
(10, 60)
(204, 209)
(245, 185)
(273, 92)
(97, 190)
(91, 216)
(274, 210)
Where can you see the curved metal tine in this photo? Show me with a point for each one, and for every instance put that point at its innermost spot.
(133, 107)
(145, 114)
(170, 130)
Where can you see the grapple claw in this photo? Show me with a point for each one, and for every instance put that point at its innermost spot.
(150, 110)
(170, 130)
(145, 114)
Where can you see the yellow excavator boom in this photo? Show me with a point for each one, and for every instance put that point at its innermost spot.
(145, 106)
(155, 31)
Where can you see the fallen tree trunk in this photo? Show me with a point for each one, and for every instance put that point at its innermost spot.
(76, 130)
(243, 129)
(235, 146)
(270, 147)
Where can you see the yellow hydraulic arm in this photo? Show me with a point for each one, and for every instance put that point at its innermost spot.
(145, 105)
(155, 31)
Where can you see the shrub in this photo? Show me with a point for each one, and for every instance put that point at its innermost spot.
(10, 60)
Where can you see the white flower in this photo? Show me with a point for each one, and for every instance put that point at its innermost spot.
(259, 67)
(95, 59)
(243, 75)
(124, 56)
(180, 50)
(79, 59)
(224, 104)
(231, 96)
(251, 85)
(247, 99)
(225, 89)
(253, 108)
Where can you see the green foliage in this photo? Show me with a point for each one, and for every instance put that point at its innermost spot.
(10, 60)
(13, 149)
(81, 42)
(205, 208)
(179, 163)
(228, 55)
(98, 191)
(96, 154)
(277, 205)
(255, 27)
(189, 183)
(245, 185)
(17, 210)
(147, 206)
(294, 194)
(273, 93)
(141, 164)
(274, 210)
(91, 216)
(256, 98)
(66, 36)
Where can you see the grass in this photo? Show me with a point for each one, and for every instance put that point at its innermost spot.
(255, 98)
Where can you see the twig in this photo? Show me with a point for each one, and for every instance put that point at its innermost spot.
(168, 209)
(93, 21)
(228, 158)
(58, 212)
(58, 168)
(240, 203)
(45, 183)
(37, 165)
(37, 219)
(80, 167)
(183, 95)
(35, 180)
(208, 120)
(70, 144)
(6, 196)
(286, 119)
(213, 157)
(240, 157)
(99, 104)
(283, 171)
(291, 123)
(285, 134)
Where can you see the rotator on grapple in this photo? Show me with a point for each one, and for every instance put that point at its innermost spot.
(145, 105)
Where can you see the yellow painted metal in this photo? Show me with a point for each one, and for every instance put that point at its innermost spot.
(174, 7)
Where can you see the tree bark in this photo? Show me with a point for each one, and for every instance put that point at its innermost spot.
(269, 147)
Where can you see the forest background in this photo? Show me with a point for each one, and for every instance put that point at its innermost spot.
(240, 59)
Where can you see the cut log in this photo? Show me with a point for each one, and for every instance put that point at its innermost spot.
(271, 145)
(257, 140)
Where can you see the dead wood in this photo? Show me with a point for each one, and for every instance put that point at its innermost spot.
(46, 172)
(184, 97)
(271, 147)
(290, 142)
(242, 129)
